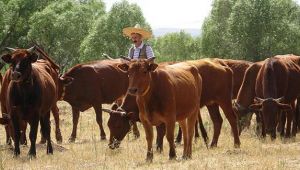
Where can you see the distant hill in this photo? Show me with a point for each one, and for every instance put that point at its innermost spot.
(162, 31)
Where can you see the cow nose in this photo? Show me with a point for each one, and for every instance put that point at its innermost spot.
(132, 90)
(16, 75)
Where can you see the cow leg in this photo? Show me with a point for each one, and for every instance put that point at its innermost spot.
(217, 120)
(179, 136)
(191, 122)
(23, 140)
(184, 128)
(231, 117)
(197, 135)
(75, 113)
(8, 137)
(135, 130)
(202, 130)
(258, 124)
(32, 136)
(46, 131)
(289, 116)
(98, 111)
(170, 126)
(149, 137)
(16, 127)
(161, 131)
(281, 124)
(55, 113)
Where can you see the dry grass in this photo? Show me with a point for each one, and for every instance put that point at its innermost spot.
(91, 153)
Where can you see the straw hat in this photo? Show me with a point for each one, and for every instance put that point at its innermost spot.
(137, 29)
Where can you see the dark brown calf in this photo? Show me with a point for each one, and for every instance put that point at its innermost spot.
(30, 95)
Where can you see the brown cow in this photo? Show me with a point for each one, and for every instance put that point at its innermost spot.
(238, 68)
(165, 95)
(52, 69)
(30, 95)
(217, 91)
(91, 85)
(127, 114)
(277, 88)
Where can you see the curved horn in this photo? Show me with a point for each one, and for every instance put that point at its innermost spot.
(258, 99)
(31, 49)
(10, 49)
(114, 112)
(280, 99)
(125, 58)
(106, 56)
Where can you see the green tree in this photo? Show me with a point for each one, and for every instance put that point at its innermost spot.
(14, 20)
(61, 27)
(177, 47)
(106, 34)
(214, 29)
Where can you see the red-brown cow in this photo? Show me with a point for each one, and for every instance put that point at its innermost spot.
(30, 95)
(91, 85)
(277, 88)
(53, 70)
(165, 95)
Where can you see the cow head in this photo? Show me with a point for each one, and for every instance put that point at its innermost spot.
(139, 74)
(20, 62)
(271, 110)
(63, 82)
(244, 114)
(120, 121)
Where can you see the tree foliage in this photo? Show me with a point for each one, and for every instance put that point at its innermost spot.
(106, 34)
(252, 29)
(61, 27)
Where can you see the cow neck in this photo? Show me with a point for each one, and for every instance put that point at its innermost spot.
(146, 96)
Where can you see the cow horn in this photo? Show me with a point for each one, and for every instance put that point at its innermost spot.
(106, 56)
(31, 49)
(114, 112)
(258, 99)
(125, 58)
(151, 59)
(280, 99)
(10, 49)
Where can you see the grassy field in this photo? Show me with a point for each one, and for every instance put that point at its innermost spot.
(90, 153)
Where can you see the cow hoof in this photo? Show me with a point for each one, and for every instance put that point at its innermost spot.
(43, 141)
(58, 137)
(72, 140)
(17, 153)
(237, 145)
(159, 149)
(31, 156)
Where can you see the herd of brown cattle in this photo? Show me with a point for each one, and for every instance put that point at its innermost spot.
(154, 94)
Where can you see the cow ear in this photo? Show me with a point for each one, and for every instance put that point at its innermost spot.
(4, 121)
(123, 67)
(152, 66)
(6, 58)
(133, 116)
(66, 80)
(284, 107)
(255, 107)
(33, 57)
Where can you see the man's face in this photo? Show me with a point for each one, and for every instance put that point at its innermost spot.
(136, 38)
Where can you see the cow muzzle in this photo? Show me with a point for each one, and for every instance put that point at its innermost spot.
(114, 144)
(16, 76)
(132, 91)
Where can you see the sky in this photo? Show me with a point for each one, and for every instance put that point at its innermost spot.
(172, 13)
(180, 14)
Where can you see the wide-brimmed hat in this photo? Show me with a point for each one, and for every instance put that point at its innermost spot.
(137, 29)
